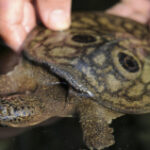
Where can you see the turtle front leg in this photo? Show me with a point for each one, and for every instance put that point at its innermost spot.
(95, 120)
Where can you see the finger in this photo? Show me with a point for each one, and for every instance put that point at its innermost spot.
(11, 14)
(136, 9)
(14, 24)
(140, 9)
(55, 14)
(29, 19)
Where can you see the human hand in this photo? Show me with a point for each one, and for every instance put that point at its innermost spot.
(18, 17)
(138, 10)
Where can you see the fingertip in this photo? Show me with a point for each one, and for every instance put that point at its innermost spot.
(17, 34)
(55, 14)
(29, 19)
(59, 20)
(15, 44)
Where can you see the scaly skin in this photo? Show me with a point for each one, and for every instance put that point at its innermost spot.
(30, 95)
(38, 95)
(104, 59)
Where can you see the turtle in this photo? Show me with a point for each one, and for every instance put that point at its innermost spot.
(97, 70)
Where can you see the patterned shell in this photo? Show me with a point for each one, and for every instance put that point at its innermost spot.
(104, 56)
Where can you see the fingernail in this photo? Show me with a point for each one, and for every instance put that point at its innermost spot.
(59, 19)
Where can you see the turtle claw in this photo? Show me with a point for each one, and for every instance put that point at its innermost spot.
(97, 134)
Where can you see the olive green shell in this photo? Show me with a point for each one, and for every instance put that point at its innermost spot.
(104, 56)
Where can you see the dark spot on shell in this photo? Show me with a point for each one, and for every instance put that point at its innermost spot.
(83, 38)
(128, 62)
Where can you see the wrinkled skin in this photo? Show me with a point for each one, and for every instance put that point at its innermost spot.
(97, 70)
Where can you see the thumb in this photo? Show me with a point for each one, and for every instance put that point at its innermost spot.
(55, 14)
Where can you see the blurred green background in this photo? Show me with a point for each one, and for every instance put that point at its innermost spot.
(132, 132)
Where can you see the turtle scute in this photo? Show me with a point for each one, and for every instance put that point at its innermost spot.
(98, 69)
(102, 55)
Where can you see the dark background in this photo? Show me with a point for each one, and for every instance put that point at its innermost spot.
(132, 132)
(88, 5)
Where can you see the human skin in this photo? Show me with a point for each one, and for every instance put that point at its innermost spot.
(138, 10)
(17, 17)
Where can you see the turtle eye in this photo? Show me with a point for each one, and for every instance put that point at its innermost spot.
(128, 62)
(83, 38)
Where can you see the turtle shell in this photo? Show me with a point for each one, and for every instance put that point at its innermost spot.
(104, 56)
